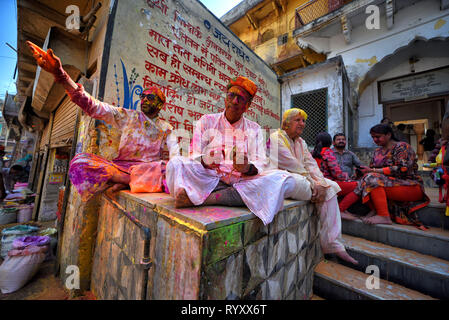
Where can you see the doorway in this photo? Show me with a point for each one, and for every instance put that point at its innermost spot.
(414, 118)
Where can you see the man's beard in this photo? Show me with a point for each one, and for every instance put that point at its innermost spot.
(340, 146)
(149, 109)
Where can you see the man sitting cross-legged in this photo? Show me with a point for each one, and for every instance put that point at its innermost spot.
(143, 137)
(227, 163)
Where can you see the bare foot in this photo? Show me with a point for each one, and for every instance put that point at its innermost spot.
(377, 220)
(370, 214)
(348, 216)
(346, 257)
(112, 191)
(182, 199)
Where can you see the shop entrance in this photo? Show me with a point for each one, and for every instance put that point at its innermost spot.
(414, 118)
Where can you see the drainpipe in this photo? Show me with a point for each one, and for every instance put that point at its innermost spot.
(146, 262)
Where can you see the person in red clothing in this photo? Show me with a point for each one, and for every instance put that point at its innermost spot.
(325, 157)
(391, 184)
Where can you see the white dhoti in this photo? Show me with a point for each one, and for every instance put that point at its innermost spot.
(263, 194)
(330, 220)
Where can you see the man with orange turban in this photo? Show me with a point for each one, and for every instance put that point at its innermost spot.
(228, 160)
(143, 135)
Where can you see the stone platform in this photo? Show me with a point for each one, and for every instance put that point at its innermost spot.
(209, 252)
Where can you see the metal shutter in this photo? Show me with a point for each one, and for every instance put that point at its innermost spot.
(64, 123)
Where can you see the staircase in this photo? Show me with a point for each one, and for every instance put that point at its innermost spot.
(412, 264)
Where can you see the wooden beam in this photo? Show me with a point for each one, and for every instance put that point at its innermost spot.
(44, 11)
(26, 76)
(283, 5)
(26, 79)
(303, 62)
(27, 59)
(275, 8)
(23, 36)
(252, 21)
(24, 66)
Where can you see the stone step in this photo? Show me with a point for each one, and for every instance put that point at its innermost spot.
(434, 214)
(337, 282)
(423, 273)
(434, 242)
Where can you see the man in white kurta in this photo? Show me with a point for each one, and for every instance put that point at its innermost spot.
(293, 155)
(227, 162)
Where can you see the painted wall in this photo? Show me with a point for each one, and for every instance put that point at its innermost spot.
(371, 112)
(279, 25)
(423, 20)
(326, 75)
(186, 51)
(80, 223)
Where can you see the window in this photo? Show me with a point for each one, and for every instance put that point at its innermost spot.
(314, 103)
(282, 39)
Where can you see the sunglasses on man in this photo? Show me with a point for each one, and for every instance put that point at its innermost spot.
(149, 96)
(231, 96)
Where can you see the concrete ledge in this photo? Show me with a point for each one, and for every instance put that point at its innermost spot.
(209, 252)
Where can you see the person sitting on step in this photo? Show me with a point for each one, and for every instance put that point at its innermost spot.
(328, 164)
(391, 181)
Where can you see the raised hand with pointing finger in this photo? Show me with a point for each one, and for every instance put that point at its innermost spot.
(138, 148)
(52, 64)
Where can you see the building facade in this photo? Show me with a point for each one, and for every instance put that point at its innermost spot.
(394, 54)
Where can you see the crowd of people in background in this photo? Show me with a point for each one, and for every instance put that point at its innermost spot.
(390, 186)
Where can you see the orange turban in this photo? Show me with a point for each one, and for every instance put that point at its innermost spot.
(245, 83)
(155, 90)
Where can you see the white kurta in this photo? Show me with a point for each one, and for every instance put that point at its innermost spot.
(294, 156)
(214, 138)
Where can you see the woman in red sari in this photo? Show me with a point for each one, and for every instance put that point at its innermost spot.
(392, 183)
(328, 164)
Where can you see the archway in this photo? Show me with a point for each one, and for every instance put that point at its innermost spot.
(422, 63)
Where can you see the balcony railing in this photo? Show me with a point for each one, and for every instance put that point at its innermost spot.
(315, 9)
